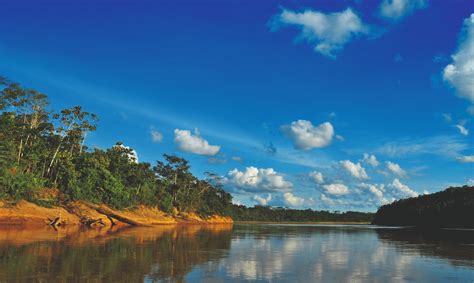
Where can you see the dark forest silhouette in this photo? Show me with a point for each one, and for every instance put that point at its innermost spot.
(451, 208)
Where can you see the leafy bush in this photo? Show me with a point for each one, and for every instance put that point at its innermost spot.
(16, 185)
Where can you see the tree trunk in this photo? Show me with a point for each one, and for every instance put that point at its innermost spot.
(111, 214)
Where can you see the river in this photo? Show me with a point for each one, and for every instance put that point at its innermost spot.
(242, 252)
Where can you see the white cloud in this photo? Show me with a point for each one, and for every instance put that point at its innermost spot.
(336, 189)
(293, 200)
(460, 72)
(371, 160)
(188, 142)
(403, 190)
(329, 32)
(327, 200)
(317, 177)
(262, 200)
(156, 136)
(255, 179)
(377, 191)
(466, 158)
(396, 169)
(356, 170)
(305, 136)
(397, 9)
(462, 129)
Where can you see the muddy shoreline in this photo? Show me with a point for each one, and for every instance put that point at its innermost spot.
(27, 214)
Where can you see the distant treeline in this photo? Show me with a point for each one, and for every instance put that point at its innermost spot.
(453, 207)
(269, 214)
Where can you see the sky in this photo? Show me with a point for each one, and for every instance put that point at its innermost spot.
(334, 105)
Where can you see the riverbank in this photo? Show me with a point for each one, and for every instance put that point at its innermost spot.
(27, 214)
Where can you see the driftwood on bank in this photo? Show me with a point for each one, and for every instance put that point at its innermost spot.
(112, 223)
(93, 222)
(115, 216)
(54, 222)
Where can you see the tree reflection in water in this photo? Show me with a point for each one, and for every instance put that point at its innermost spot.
(453, 245)
(123, 255)
(277, 253)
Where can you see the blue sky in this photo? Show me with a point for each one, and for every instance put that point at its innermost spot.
(340, 105)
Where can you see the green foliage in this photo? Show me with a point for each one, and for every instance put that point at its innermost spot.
(166, 203)
(16, 186)
(270, 214)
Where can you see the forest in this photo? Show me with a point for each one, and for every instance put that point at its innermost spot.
(446, 209)
(41, 150)
(281, 214)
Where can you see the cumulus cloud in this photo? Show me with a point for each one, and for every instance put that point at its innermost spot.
(292, 200)
(328, 32)
(461, 128)
(460, 72)
(262, 200)
(397, 9)
(305, 136)
(371, 160)
(156, 136)
(336, 189)
(258, 179)
(188, 142)
(327, 200)
(396, 169)
(355, 169)
(317, 177)
(377, 190)
(402, 189)
(466, 158)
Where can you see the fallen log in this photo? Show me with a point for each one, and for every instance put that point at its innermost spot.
(112, 223)
(53, 222)
(92, 222)
(115, 216)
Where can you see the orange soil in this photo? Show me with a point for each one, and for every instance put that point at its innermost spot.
(28, 214)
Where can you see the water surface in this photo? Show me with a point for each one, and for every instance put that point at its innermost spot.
(216, 253)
